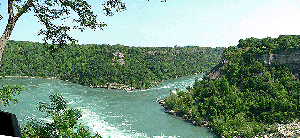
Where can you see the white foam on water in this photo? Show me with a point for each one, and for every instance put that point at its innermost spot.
(47, 119)
(166, 87)
(166, 136)
(98, 124)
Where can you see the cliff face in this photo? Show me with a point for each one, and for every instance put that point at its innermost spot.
(217, 70)
(289, 58)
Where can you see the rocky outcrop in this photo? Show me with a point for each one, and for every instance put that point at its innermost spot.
(167, 110)
(290, 58)
(290, 129)
(115, 86)
(217, 70)
(119, 57)
(118, 54)
(285, 130)
(185, 117)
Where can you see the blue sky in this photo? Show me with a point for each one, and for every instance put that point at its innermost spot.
(208, 23)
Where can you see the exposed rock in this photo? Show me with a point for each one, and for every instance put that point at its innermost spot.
(151, 52)
(290, 58)
(162, 102)
(171, 112)
(121, 61)
(32, 77)
(289, 130)
(185, 117)
(217, 70)
(118, 54)
(115, 86)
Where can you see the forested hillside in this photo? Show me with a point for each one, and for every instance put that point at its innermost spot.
(248, 98)
(108, 65)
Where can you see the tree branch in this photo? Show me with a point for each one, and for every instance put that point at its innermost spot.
(10, 9)
(23, 10)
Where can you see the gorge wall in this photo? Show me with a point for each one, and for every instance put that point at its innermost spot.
(290, 58)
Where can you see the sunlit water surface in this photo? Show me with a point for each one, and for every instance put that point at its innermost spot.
(113, 113)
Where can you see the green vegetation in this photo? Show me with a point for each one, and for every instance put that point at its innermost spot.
(96, 65)
(270, 45)
(248, 98)
(62, 121)
(7, 92)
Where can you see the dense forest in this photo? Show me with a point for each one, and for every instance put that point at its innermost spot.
(105, 65)
(248, 99)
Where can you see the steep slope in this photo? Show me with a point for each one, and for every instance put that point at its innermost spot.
(115, 67)
(252, 92)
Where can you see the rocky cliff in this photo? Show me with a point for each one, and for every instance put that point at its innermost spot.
(290, 58)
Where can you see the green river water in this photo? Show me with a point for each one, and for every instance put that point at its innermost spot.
(113, 113)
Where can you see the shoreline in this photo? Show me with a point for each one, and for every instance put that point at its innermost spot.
(114, 86)
(117, 86)
(127, 88)
(190, 119)
(288, 130)
(9, 76)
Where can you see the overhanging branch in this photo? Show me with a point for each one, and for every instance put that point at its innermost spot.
(23, 10)
(10, 9)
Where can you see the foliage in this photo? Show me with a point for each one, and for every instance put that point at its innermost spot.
(49, 11)
(7, 92)
(249, 97)
(95, 65)
(62, 121)
(269, 45)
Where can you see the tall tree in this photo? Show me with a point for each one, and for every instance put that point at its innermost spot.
(49, 10)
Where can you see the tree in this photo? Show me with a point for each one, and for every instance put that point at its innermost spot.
(63, 121)
(46, 11)
(7, 92)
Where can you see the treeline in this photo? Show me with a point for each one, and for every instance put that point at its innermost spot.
(248, 99)
(267, 45)
(96, 65)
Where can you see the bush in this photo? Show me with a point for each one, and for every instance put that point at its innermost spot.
(62, 123)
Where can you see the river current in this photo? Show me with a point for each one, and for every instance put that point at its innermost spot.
(112, 113)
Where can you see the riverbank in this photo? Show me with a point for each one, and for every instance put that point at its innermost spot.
(286, 130)
(115, 86)
(185, 117)
(29, 77)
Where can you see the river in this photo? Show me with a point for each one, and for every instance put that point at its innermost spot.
(112, 113)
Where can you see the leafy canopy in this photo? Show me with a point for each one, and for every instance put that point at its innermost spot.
(63, 121)
(249, 98)
(48, 11)
(7, 92)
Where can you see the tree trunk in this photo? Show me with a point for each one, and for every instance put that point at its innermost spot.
(5, 36)
(12, 19)
(9, 27)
